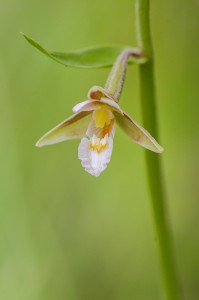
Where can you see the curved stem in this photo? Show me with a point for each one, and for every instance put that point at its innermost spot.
(153, 162)
(115, 81)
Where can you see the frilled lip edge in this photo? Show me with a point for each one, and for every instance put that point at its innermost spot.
(95, 153)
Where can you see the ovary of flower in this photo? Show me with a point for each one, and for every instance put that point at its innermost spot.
(94, 123)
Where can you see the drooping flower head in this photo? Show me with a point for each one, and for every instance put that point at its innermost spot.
(94, 122)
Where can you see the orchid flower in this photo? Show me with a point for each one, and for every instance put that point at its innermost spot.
(94, 122)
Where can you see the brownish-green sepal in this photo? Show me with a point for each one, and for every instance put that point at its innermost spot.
(72, 128)
(92, 57)
(137, 133)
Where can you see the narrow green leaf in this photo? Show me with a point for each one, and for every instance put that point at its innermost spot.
(92, 57)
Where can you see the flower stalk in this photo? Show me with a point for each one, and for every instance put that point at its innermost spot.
(153, 162)
(116, 78)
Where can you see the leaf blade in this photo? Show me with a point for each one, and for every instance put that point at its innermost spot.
(91, 57)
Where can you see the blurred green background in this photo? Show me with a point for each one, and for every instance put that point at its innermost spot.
(63, 233)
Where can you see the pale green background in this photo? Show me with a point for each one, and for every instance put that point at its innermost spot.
(63, 233)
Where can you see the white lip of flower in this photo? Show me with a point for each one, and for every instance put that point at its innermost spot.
(94, 123)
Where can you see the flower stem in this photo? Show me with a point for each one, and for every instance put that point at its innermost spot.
(153, 161)
(115, 81)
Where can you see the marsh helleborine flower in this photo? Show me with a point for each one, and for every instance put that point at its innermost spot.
(94, 123)
(95, 120)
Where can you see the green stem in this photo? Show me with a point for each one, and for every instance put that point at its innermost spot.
(115, 81)
(153, 162)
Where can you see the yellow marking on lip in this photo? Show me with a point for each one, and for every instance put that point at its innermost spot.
(98, 146)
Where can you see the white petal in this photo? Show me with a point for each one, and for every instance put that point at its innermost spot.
(80, 105)
(95, 153)
(90, 105)
(114, 105)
